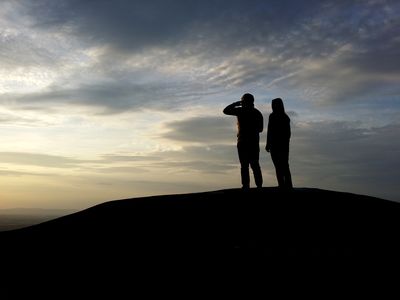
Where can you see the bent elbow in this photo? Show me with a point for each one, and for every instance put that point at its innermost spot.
(228, 111)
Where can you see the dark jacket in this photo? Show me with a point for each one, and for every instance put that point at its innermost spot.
(250, 122)
(278, 133)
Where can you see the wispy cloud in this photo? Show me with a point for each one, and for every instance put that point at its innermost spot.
(41, 160)
(158, 54)
(347, 156)
(206, 130)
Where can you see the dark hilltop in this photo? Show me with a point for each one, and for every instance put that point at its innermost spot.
(305, 222)
(156, 235)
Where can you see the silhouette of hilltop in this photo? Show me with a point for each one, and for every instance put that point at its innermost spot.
(146, 235)
(303, 221)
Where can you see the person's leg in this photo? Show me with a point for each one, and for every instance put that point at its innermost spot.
(255, 166)
(244, 166)
(286, 170)
(287, 176)
(288, 179)
(244, 172)
(276, 159)
(257, 173)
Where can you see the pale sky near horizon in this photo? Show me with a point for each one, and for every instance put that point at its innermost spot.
(104, 100)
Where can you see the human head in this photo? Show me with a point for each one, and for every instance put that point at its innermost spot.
(247, 100)
(277, 105)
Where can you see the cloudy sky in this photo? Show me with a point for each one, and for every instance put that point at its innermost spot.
(103, 100)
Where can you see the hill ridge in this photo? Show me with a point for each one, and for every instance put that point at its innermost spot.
(144, 242)
(228, 219)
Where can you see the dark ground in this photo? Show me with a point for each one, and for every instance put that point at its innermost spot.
(215, 232)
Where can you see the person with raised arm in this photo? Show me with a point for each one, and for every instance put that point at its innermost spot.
(250, 124)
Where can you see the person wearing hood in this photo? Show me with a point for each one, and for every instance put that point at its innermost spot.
(278, 138)
(250, 123)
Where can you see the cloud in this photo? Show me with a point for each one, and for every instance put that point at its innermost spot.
(137, 24)
(205, 158)
(18, 49)
(21, 173)
(343, 155)
(41, 160)
(12, 119)
(114, 158)
(201, 166)
(124, 24)
(157, 54)
(107, 97)
(120, 170)
(350, 76)
(206, 130)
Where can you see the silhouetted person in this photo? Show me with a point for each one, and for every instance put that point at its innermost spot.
(278, 137)
(250, 123)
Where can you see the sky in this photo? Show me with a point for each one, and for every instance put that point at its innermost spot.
(104, 100)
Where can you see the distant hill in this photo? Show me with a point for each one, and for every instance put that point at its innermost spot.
(205, 231)
(36, 211)
(15, 218)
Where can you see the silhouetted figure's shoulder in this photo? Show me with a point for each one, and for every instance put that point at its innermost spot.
(258, 117)
(279, 117)
(257, 112)
(278, 128)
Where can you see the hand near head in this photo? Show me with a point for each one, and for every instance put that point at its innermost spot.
(238, 103)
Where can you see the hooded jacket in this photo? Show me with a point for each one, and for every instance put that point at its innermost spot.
(278, 134)
(250, 122)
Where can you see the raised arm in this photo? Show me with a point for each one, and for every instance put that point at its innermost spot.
(231, 108)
